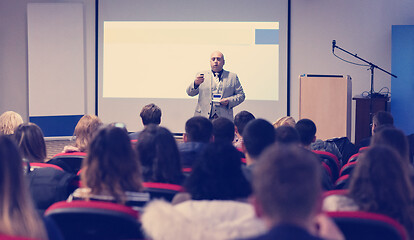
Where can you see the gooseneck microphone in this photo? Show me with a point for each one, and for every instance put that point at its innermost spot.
(333, 45)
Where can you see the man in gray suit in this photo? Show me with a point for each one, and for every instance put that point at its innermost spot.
(219, 90)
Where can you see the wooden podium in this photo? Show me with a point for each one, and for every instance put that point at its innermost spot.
(326, 100)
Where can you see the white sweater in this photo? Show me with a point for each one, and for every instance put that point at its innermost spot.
(200, 220)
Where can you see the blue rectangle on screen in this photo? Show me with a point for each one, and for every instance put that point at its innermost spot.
(267, 36)
(56, 126)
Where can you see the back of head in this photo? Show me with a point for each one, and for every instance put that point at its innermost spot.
(285, 121)
(85, 129)
(30, 141)
(307, 130)
(18, 216)
(393, 138)
(217, 175)
(258, 135)
(287, 134)
(150, 114)
(9, 121)
(381, 183)
(111, 165)
(242, 119)
(159, 156)
(382, 118)
(198, 129)
(286, 182)
(223, 130)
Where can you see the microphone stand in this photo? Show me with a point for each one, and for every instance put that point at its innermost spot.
(372, 68)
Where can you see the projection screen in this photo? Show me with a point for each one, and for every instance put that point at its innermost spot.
(150, 52)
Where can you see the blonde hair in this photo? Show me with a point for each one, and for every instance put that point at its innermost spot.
(9, 121)
(85, 130)
(285, 121)
(17, 213)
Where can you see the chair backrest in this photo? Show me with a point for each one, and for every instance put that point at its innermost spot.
(342, 182)
(43, 165)
(368, 226)
(328, 170)
(95, 220)
(347, 168)
(354, 158)
(330, 160)
(165, 191)
(69, 162)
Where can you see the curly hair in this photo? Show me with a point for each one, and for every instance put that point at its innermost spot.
(84, 131)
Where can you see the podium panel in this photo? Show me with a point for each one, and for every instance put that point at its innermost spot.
(326, 100)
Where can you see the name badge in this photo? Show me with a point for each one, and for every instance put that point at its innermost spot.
(216, 98)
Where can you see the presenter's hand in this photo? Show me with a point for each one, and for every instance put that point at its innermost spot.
(199, 79)
(224, 101)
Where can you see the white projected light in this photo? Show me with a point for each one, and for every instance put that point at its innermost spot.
(144, 59)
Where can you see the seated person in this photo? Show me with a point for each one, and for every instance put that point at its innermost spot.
(240, 121)
(380, 184)
(159, 156)
(198, 133)
(285, 121)
(223, 130)
(380, 118)
(111, 171)
(286, 186)
(9, 121)
(84, 131)
(150, 114)
(19, 217)
(215, 206)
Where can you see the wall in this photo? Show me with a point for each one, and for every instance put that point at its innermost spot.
(359, 26)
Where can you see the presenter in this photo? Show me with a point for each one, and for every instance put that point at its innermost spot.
(219, 91)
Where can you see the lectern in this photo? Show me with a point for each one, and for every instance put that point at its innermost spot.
(326, 100)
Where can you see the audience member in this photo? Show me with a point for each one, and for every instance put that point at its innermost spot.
(287, 135)
(286, 185)
(378, 119)
(84, 131)
(215, 207)
(9, 121)
(19, 217)
(223, 130)
(198, 132)
(285, 121)
(307, 133)
(257, 135)
(159, 156)
(394, 138)
(379, 184)
(150, 114)
(31, 143)
(111, 171)
(240, 121)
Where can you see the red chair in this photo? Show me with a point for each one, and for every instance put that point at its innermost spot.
(95, 220)
(328, 170)
(165, 191)
(347, 168)
(33, 166)
(330, 160)
(368, 226)
(342, 182)
(354, 158)
(69, 162)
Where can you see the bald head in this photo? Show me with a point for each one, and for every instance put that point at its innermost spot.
(217, 61)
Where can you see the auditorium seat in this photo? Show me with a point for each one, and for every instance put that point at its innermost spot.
(330, 160)
(165, 191)
(347, 168)
(95, 220)
(43, 165)
(342, 182)
(69, 162)
(356, 225)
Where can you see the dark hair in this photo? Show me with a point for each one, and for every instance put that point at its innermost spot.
(223, 130)
(217, 175)
(150, 113)
(159, 156)
(307, 130)
(287, 134)
(381, 184)
(257, 135)
(393, 138)
(382, 118)
(242, 119)
(111, 165)
(199, 129)
(30, 141)
(287, 182)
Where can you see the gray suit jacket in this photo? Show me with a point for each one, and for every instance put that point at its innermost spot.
(232, 90)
